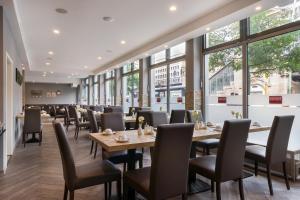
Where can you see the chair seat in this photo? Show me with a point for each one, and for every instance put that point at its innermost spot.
(139, 180)
(210, 143)
(256, 152)
(204, 166)
(119, 156)
(96, 172)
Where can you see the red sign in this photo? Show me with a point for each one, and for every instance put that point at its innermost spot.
(158, 100)
(179, 99)
(275, 99)
(222, 100)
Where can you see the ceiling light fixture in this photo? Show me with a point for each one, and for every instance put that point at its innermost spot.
(207, 29)
(99, 58)
(258, 8)
(47, 63)
(23, 68)
(85, 67)
(108, 19)
(50, 53)
(52, 72)
(61, 11)
(173, 8)
(56, 31)
(166, 46)
(123, 42)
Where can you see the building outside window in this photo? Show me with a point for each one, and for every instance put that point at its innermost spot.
(96, 89)
(130, 78)
(110, 88)
(168, 80)
(85, 91)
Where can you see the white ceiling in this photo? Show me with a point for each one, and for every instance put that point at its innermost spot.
(85, 36)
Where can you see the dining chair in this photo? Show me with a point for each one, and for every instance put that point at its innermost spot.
(94, 128)
(159, 118)
(69, 119)
(168, 175)
(58, 114)
(84, 175)
(177, 116)
(276, 150)
(32, 124)
(78, 123)
(110, 109)
(207, 144)
(228, 163)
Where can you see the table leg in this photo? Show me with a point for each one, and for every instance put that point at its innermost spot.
(33, 139)
(196, 185)
(131, 166)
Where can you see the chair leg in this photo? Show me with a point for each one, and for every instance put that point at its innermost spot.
(241, 189)
(285, 175)
(41, 138)
(184, 196)
(207, 151)
(256, 168)
(203, 151)
(141, 163)
(109, 190)
(124, 167)
(71, 195)
(96, 148)
(66, 193)
(92, 147)
(269, 179)
(119, 193)
(212, 186)
(125, 191)
(24, 140)
(105, 191)
(218, 187)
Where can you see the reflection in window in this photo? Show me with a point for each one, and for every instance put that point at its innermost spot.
(85, 92)
(110, 92)
(159, 88)
(130, 91)
(275, 17)
(274, 65)
(178, 50)
(224, 34)
(158, 57)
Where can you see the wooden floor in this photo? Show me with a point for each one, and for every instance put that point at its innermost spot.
(35, 172)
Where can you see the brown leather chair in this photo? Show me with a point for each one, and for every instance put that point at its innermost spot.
(159, 118)
(69, 119)
(86, 175)
(78, 123)
(228, 163)
(177, 116)
(168, 175)
(147, 118)
(276, 149)
(206, 144)
(32, 124)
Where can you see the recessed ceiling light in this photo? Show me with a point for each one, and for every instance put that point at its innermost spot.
(85, 67)
(52, 72)
(166, 46)
(123, 42)
(56, 31)
(50, 53)
(23, 68)
(61, 11)
(173, 8)
(146, 54)
(47, 63)
(258, 8)
(208, 29)
(99, 58)
(44, 75)
(108, 19)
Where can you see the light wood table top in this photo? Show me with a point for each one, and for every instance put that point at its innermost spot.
(109, 143)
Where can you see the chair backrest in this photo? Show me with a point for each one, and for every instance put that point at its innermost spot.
(113, 109)
(65, 153)
(177, 116)
(159, 118)
(147, 118)
(279, 138)
(169, 168)
(114, 121)
(73, 111)
(67, 113)
(32, 121)
(190, 118)
(231, 151)
(93, 122)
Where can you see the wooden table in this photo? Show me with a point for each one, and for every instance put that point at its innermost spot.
(135, 141)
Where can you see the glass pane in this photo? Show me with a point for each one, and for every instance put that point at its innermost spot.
(126, 68)
(96, 78)
(135, 89)
(177, 85)
(84, 95)
(96, 94)
(110, 74)
(274, 74)
(224, 34)
(159, 88)
(136, 65)
(178, 50)
(127, 98)
(224, 79)
(110, 92)
(158, 57)
(286, 13)
(87, 81)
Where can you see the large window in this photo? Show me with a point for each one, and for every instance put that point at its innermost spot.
(130, 85)
(96, 90)
(85, 92)
(158, 57)
(168, 79)
(110, 88)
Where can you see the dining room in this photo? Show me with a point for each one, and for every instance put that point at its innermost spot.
(150, 99)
